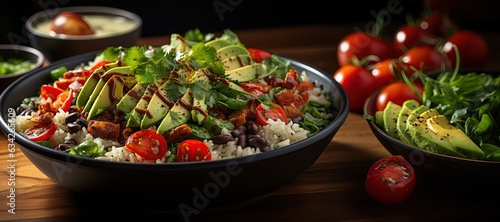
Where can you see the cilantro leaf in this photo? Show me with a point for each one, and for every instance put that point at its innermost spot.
(135, 56)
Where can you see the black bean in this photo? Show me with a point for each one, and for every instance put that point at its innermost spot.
(26, 112)
(242, 140)
(258, 142)
(70, 142)
(82, 122)
(252, 127)
(19, 110)
(74, 127)
(62, 147)
(236, 132)
(72, 117)
(222, 139)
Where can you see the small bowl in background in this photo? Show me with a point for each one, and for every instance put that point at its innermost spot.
(22, 53)
(124, 33)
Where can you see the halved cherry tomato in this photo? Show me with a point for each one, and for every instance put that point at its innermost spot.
(193, 150)
(148, 144)
(390, 180)
(41, 132)
(48, 91)
(270, 110)
(258, 55)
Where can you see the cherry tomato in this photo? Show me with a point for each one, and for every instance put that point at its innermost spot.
(409, 36)
(258, 55)
(390, 180)
(472, 49)
(148, 144)
(48, 91)
(359, 45)
(41, 132)
(438, 24)
(358, 82)
(387, 71)
(270, 110)
(193, 150)
(425, 58)
(397, 92)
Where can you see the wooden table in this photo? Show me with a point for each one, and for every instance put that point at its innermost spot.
(331, 190)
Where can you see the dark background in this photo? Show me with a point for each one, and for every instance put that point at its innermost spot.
(179, 16)
(164, 18)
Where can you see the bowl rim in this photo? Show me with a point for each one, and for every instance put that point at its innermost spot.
(105, 10)
(328, 131)
(40, 58)
(369, 110)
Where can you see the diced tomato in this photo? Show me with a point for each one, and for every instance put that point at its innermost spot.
(48, 91)
(63, 101)
(256, 89)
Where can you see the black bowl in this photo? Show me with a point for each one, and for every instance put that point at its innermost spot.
(442, 172)
(24, 53)
(60, 47)
(175, 186)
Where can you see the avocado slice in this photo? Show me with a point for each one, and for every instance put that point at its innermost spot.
(379, 119)
(124, 71)
(236, 62)
(179, 114)
(199, 108)
(390, 116)
(246, 73)
(128, 102)
(110, 93)
(440, 125)
(425, 138)
(406, 108)
(91, 84)
(230, 51)
(140, 110)
(158, 107)
(218, 43)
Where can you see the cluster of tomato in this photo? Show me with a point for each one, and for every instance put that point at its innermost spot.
(369, 62)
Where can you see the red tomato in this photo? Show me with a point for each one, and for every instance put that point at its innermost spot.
(424, 58)
(97, 65)
(256, 89)
(387, 71)
(472, 49)
(193, 150)
(41, 132)
(438, 25)
(148, 144)
(48, 91)
(358, 82)
(390, 180)
(258, 55)
(270, 110)
(409, 36)
(63, 101)
(397, 92)
(360, 45)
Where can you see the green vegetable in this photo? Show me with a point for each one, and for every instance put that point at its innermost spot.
(88, 149)
(55, 74)
(14, 65)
